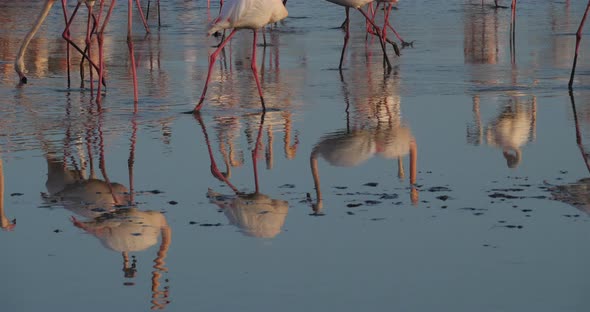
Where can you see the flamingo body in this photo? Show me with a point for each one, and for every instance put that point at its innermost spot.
(250, 14)
(351, 3)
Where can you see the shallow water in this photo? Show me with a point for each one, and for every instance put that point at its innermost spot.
(496, 220)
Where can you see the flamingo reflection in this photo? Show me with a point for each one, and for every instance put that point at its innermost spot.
(510, 130)
(255, 214)
(132, 230)
(389, 138)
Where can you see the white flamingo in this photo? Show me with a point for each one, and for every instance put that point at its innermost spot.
(243, 14)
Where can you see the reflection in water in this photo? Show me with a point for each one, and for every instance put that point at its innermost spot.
(510, 130)
(481, 43)
(132, 230)
(576, 194)
(377, 130)
(112, 214)
(5, 223)
(86, 197)
(255, 214)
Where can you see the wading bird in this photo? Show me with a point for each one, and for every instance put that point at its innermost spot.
(243, 14)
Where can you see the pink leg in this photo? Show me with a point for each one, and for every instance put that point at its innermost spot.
(65, 10)
(578, 39)
(66, 36)
(404, 43)
(386, 20)
(346, 36)
(100, 36)
(373, 14)
(381, 39)
(147, 28)
(212, 59)
(255, 70)
(89, 45)
(132, 53)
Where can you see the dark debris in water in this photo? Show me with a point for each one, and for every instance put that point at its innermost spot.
(173, 202)
(377, 219)
(371, 184)
(16, 194)
(372, 202)
(210, 224)
(507, 190)
(388, 196)
(57, 231)
(439, 189)
(571, 216)
(502, 195)
(444, 197)
(354, 205)
(350, 213)
(193, 222)
(341, 187)
(510, 226)
(473, 209)
(289, 186)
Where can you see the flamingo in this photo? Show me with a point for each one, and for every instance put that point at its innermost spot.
(243, 14)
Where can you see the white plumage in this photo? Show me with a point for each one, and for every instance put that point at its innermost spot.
(251, 14)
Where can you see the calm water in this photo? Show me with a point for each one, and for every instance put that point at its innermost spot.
(496, 221)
